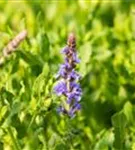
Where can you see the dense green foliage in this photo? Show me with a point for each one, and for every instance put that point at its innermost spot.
(105, 34)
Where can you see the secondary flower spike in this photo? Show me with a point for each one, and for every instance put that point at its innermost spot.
(68, 85)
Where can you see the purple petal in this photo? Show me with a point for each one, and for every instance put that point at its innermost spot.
(73, 109)
(73, 75)
(61, 109)
(64, 69)
(65, 50)
(75, 58)
(60, 88)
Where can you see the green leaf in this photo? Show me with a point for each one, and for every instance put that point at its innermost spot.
(39, 84)
(119, 123)
(1, 146)
(44, 46)
(30, 58)
(128, 111)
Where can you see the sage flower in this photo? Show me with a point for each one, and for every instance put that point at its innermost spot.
(68, 85)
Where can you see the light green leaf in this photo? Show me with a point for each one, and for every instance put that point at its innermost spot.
(128, 111)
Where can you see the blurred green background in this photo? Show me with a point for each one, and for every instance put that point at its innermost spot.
(105, 32)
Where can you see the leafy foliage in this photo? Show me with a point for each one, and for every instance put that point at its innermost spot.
(105, 34)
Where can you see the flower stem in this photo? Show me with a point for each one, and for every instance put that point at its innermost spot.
(15, 142)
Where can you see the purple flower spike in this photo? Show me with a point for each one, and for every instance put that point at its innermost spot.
(68, 85)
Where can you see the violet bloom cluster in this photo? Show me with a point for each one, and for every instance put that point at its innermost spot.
(68, 85)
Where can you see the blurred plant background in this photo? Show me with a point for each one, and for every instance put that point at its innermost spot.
(105, 32)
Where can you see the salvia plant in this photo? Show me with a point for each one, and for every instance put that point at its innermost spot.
(68, 85)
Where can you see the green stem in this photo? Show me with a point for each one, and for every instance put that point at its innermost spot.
(32, 120)
(15, 142)
(46, 143)
(68, 126)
